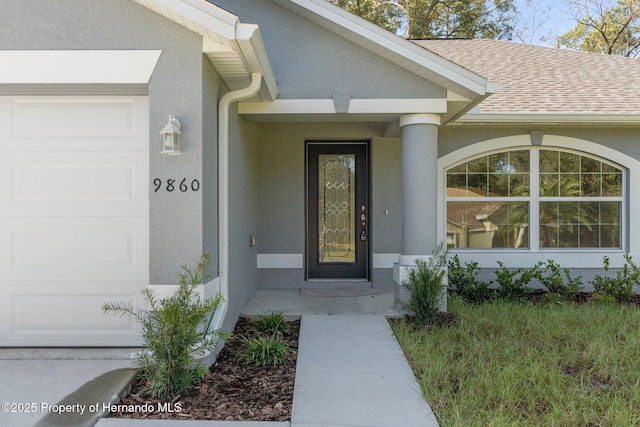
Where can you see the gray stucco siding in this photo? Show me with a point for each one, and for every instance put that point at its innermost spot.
(176, 87)
(311, 62)
(243, 214)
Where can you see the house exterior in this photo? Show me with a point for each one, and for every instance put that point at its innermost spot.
(317, 150)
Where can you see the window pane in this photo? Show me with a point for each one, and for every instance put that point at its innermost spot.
(520, 160)
(612, 184)
(590, 165)
(579, 224)
(610, 213)
(478, 184)
(591, 185)
(459, 169)
(494, 224)
(610, 236)
(519, 185)
(498, 184)
(569, 185)
(549, 185)
(549, 161)
(569, 162)
(456, 180)
(478, 165)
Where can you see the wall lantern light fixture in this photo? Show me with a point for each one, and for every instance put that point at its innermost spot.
(171, 137)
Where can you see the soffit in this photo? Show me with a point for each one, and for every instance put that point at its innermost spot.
(234, 49)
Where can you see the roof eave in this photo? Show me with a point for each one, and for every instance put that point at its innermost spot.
(550, 118)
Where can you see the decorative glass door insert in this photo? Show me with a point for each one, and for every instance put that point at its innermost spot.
(337, 210)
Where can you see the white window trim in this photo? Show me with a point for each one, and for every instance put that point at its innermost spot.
(583, 258)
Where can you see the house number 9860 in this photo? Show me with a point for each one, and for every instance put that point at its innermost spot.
(171, 185)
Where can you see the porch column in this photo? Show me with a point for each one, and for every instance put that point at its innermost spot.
(419, 188)
(419, 201)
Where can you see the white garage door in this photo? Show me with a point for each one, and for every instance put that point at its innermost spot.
(74, 218)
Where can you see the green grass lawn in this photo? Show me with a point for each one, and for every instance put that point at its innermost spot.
(509, 364)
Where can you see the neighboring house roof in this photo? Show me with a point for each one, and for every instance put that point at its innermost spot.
(536, 80)
(234, 49)
(474, 213)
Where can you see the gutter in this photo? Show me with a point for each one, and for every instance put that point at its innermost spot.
(223, 190)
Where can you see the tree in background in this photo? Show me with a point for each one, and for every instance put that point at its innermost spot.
(386, 14)
(420, 19)
(613, 30)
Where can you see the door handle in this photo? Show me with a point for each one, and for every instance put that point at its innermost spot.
(363, 218)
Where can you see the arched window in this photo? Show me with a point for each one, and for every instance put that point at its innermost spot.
(535, 198)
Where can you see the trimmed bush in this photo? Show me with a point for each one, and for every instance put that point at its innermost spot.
(426, 286)
(619, 288)
(465, 281)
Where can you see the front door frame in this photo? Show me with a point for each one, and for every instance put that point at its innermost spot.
(339, 271)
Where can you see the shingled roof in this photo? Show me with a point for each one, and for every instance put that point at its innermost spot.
(536, 79)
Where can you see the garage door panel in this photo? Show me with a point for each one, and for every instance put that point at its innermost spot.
(74, 218)
(80, 123)
(34, 316)
(74, 184)
(59, 249)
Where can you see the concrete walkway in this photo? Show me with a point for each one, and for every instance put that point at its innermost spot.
(351, 372)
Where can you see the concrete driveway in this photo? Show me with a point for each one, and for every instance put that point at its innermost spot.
(32, 380)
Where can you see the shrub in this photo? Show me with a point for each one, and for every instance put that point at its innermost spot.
(426, 286)
(464, 280)
(271, 323)
(264, 351)
(620, 287)
(174, 328)
(513, 284)
(559, 283)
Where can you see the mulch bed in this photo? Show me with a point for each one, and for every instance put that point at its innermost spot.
(230, 392)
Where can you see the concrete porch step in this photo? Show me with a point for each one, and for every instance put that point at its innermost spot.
(294, 304)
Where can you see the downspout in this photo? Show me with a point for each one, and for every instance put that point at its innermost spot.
(223, 191)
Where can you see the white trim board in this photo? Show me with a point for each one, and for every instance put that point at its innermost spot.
(280, 261)
(77, 66)
(356, 106)
(297, 260)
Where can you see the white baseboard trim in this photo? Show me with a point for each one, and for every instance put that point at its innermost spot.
(280, 261)
(297, 260)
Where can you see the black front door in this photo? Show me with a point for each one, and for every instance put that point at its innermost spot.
(337, 210)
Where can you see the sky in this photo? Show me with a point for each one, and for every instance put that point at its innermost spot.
(542, 21)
